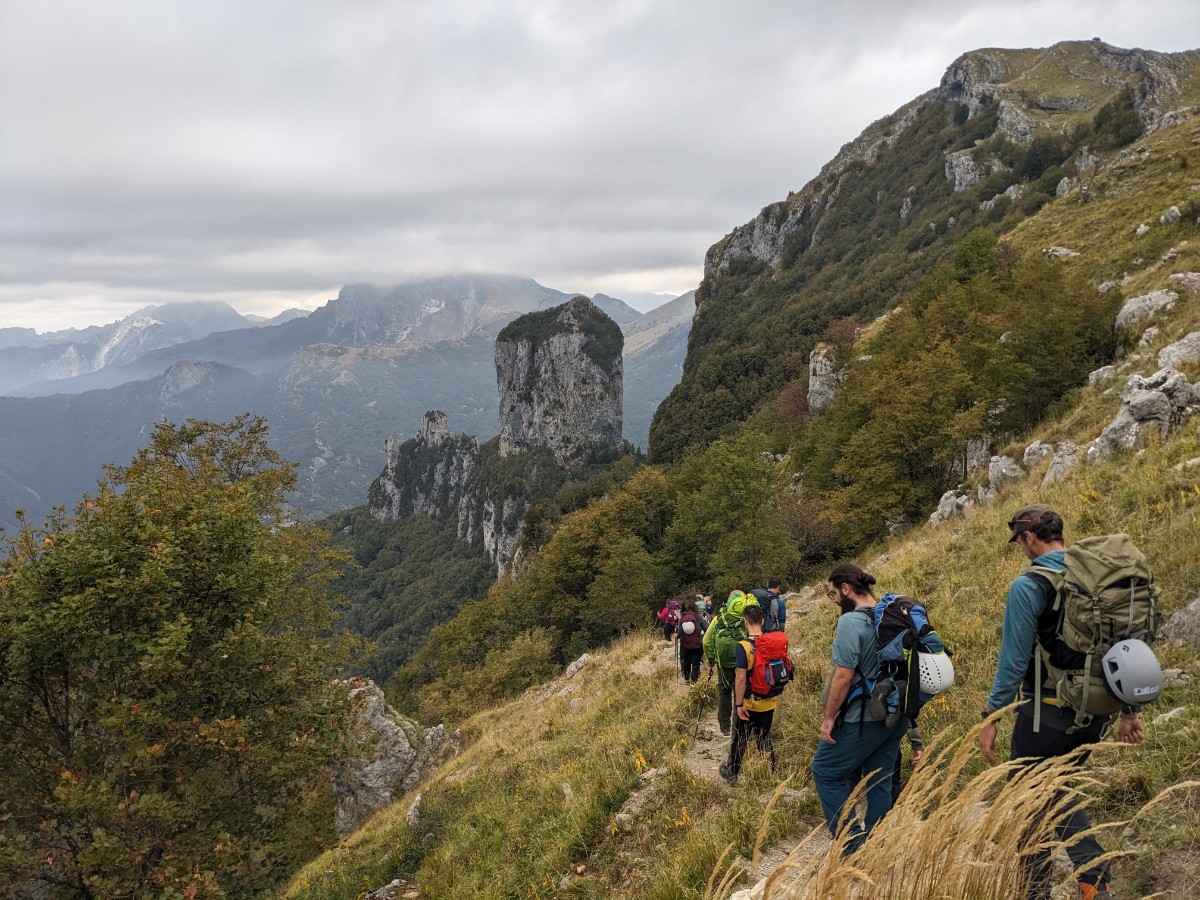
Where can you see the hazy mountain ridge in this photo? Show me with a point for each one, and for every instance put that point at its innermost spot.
(330, 406)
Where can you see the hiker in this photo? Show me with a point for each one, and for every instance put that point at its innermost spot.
(774, 609)
(755, 711)
(850, 739)
(690, 634)
(668, 617)
(1049, 730)
(720, 641)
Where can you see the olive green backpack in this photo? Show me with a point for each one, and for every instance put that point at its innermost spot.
(1105, 595)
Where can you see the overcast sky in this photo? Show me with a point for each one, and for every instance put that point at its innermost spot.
(265, 153)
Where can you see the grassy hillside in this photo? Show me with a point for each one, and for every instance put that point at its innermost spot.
(549, 798)
(531, 808)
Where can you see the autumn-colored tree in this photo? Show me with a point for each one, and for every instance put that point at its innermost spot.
(167, 705)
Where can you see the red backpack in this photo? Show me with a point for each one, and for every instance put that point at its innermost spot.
(772, 669)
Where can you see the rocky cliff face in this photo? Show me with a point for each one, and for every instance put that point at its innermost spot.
(1034, 91)
(560, 376)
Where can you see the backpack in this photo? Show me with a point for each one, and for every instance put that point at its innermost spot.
(672, 613)
(1105, 594)
(902, 634)
(770, 603)
(690, 641)
(726, 630)
(770, 668)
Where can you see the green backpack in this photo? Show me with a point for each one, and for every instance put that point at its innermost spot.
(1105, 595)
(726, 630)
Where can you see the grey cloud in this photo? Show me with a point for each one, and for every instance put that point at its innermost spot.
(288, 146)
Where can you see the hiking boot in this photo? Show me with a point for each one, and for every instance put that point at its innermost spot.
(725, 730)
(1095, 891)
(725, 772)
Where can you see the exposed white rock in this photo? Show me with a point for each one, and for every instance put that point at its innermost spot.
(1183, 627)
(1183, 351)
(1101, 376)
(1186, 281)
(386, 757)
(962, 171)
(1059, 253)
(1064, 186)
(1142, 230)
(1106, 286)
(1176, 713)
(1037, 453)
(1144, 307)
(1171, 216)
(822, 377)
(552, 392)
(1149, 406)
(953, 504)
(1003, 471)
(1066, 458)
(1149, 336)
(574, 667)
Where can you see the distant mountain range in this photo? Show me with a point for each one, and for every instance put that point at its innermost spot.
(332, 383)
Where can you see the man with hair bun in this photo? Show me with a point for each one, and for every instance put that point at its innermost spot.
(851, 741)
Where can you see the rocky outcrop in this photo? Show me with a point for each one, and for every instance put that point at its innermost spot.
(426, 475)
(1183, 627)
(385, 757)
(954, 504)
(1186, 281)
(560, 379)
(1065, 459)
(1183, 351)
(822, 377)
(1139, 309)
(1149, 406)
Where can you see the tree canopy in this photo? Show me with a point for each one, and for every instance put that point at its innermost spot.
(167, 694)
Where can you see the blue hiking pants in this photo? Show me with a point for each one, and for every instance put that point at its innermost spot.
(870, 747)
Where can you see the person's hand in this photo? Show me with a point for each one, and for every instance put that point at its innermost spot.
(987, 743)
(918, 755)
(743, 714)
(827, 730)
(1130, 730)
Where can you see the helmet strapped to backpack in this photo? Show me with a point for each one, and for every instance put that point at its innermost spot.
(913, 663)
(937, 672)
(1103, 598)
(1132, 672)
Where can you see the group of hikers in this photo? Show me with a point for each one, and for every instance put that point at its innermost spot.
(1074, 650)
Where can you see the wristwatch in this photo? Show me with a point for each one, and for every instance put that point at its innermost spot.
(985, 712)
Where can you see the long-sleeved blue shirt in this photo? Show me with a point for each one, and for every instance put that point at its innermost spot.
(1025, 602)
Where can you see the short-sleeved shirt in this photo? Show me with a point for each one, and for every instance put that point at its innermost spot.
(745, 662)
(854, 648)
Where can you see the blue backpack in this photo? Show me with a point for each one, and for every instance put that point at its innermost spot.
(902, 632)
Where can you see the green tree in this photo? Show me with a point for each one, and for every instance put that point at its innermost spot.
(167, 694)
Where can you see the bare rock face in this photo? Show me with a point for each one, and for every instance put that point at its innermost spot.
(954, 504)
(1003, 471)
(1148, 406)
(1066, 458)
(1183, 351)
(427, 478)
(387, 756)
(1184, 626)
(1137, 309)
(560, 379)
(822, 377)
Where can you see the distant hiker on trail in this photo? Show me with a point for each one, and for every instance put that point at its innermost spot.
(774, 609)
(1041, 605)
(690, 633)
(720, 649)
(668, 617)
(756, 690)
(850, 739)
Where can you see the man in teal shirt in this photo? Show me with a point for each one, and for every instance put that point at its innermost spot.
(851, 741)
(1030, 617)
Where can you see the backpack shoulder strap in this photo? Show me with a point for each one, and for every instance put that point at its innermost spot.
(749, 648)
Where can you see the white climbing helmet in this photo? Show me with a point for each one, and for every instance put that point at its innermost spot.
(688, 627)
(937, 672)
(1132, 672)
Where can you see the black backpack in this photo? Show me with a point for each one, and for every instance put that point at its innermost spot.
(768, 600)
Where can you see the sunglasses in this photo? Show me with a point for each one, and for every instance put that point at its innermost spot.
(831, 593)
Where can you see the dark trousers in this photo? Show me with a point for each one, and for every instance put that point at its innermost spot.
(689, 662)
(897, 777)
(725, 697)
(759, 724)
(869, 747)
(1032, 747)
